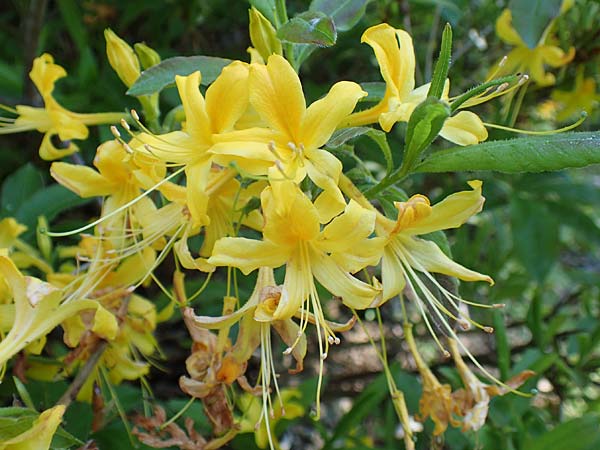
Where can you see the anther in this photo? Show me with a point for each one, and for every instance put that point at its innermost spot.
(287, 351)
(323, 356)
(446, 354)
(498, 305)
(125, 125)
(489, 330)
(524, 78)
(115, 131)
(503, 61)
(337, 340)
(134, 114)
(464, 324)
(331, 340)
(502, 87)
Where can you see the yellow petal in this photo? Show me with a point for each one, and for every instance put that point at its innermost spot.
(105, 324)
(353, 292)
(276, 94)
(10, 229)
(324, 170)
(197, 198)
(82, 180)
(396, 57)
(323, 116)
(392, 274)
(227, 97)
(44, 74)
(506, 31)
(39, 436)
(451, 212)
(247, 254)
(197, 121)
(464, 128)
(297, 285)
(49, 152)
(111, 160)
(348, 230)
(427, 256)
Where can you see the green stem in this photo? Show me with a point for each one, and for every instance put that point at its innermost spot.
(394, 178)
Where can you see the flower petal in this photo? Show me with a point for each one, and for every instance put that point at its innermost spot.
(348, 230)
(396, 57)
(427, 256)
(392, 274)
(82, 180)
(451, 212)
(227, 97)
(323, 116)
(506, 31)
(247, 254)
(464, 128)
(197, 121)
(353, 292)
(276, 94)
(197, 198)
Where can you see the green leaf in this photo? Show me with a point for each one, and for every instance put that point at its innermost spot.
(160, 76)
(14, 421)
(19, 187)
(535, 236)
(345, 13)
(582, 433)
(424, 125)
(530, 18)
(529, 154)
(442, 66)
(49, 202)
(309, 28)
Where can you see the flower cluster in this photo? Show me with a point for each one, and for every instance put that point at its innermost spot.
(241, 179)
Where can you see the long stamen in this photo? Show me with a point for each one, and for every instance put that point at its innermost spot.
(539, 133)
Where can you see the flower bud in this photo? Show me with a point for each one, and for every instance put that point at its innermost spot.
(263, 35)
(122, 58)
(148, 56)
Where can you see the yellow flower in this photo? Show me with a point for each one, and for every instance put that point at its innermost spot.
(292, 142)
(38, 308)
(396, 57)
(53, 119)
(226, 101)
(530, 60)
(583, 97)
(39, 436)
(408, 260)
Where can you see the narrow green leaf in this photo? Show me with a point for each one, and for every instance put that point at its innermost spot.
(309, 28)
(582, 433)
(345, 13)
(160, 76)
(531, 17)
(442, 66)
(529, 154)
(535, 236)
(22, 390)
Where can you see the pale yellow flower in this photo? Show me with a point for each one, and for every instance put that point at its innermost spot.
(53, 119)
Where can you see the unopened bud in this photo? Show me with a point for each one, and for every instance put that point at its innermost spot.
(263, 35)
(122, 58)
(148, 56)
(43, 240)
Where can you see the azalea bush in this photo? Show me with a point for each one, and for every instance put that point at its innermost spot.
(355, 224)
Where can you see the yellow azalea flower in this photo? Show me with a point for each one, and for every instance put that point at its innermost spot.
(53, 119)
(530, 60)
(121, 178)
(39, 436)
(38, 308)
(406, 257)
(292, 236)
(292, 141)
(225, 102)
(396, 57)
(583, 97)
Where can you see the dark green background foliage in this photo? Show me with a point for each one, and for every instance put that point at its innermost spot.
(538, 235)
